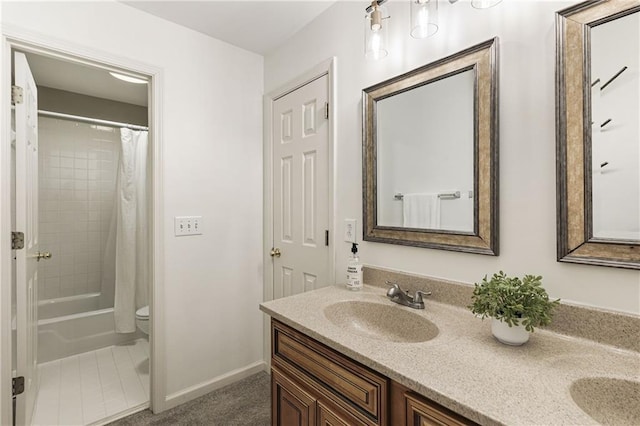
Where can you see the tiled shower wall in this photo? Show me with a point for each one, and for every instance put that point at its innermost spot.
(78, 166)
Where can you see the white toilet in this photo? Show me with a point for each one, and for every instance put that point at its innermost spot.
(142, 319)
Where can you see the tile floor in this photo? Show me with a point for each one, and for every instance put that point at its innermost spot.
(85, 388)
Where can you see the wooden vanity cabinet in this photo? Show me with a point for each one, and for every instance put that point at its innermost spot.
(311, 381)
(312, 384)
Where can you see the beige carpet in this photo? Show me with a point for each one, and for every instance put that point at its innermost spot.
(246, 403)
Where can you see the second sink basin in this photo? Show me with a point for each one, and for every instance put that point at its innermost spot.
(381, 322)
(608, 401)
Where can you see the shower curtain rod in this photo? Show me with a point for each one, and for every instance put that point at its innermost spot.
(90, 120)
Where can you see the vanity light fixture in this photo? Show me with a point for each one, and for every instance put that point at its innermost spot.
(375, 33)
(424, 18)
(484, 4)
(423, 23)
(128, 78)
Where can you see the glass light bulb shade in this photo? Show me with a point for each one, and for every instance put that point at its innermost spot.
(375, 41)
(424, 18)
(484, 4)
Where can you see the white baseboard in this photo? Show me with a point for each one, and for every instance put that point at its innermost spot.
(203, 388)
(121, 415)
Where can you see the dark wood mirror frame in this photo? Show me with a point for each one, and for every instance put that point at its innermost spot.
(576, 243)
(483, 59)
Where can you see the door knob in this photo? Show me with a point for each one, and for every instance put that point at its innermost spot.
(43, 255)
(275, 252)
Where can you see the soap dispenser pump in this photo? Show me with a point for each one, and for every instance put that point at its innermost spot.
(354, 270)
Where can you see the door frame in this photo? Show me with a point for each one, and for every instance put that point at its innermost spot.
(328, 68)
(18, 38)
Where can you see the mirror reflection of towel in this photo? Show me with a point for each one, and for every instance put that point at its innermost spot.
(421, 211)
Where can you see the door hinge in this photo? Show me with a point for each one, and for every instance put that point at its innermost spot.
(17, 240)
(326, 110)
(326, 237)
(17, 385)
(16, 94)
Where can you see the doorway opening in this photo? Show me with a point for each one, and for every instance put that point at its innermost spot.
(82, 185)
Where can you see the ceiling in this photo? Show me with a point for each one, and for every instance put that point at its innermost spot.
(257, 26)
(84, 79)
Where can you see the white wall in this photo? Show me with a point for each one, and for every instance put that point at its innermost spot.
(527, 138)
(212, 167)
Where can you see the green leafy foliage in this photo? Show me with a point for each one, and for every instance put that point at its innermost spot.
(513, 300)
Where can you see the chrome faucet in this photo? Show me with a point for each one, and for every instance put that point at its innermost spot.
(396, 294)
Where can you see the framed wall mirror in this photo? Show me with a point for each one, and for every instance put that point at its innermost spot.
(430, 155)
(598, 133)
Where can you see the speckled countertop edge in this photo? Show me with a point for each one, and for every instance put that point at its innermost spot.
(485, 381)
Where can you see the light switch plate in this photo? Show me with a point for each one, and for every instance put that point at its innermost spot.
(350, 230)
(188, 225)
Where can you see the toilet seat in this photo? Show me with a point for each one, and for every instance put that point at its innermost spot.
(143, 313)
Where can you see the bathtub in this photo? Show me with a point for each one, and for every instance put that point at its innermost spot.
(62, 333)
(63, 306)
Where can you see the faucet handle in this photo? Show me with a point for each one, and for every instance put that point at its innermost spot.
(392, 284)
(417, 296)
(393, 290)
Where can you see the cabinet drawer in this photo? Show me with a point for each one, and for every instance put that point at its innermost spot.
(354, 384)
(422, 412)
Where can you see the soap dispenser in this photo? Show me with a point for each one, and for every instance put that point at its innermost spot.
(354, 270)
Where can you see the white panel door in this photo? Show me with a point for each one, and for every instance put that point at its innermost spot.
(27, 222)
(300, 190)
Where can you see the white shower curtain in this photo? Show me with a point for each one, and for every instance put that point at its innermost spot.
(132, 242)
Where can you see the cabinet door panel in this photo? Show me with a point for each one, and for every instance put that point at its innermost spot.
(291, 405)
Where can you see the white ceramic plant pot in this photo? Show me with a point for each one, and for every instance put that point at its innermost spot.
(515, 335)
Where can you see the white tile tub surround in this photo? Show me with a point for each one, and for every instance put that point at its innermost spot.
(78, 165)
(86, 388)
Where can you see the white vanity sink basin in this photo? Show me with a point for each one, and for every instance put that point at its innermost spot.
(608, 401)
(381, 322)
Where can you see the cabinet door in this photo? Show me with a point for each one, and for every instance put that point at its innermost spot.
(290, 405)
(327, 417)
(421, 412)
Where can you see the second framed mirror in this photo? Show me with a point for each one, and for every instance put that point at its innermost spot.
(598, 133)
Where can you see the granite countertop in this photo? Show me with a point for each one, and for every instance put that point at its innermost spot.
(464, 368)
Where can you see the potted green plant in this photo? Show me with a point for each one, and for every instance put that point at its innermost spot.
(516, 305)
